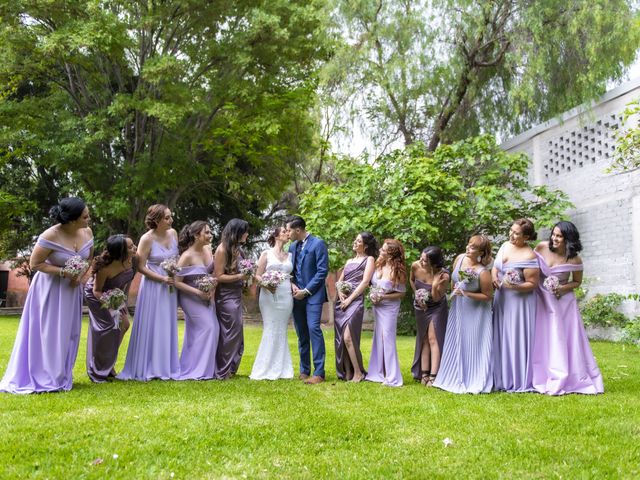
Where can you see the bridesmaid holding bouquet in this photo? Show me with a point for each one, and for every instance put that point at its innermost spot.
(46, 345)
(153, 348)
(349, 307)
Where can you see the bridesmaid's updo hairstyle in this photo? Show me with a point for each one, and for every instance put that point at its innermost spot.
(116, 251)
(67, 210)
(434, 256)
(231, 236)
(395, 258)
(155, 213)
(528, 230)
(189, 233)
(484, 245)
(275, 233)
(370, 244)
(571, 236)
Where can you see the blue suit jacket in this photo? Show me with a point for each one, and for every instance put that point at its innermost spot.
(315, 267)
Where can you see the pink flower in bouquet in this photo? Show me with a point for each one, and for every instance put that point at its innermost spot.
(512, 276)
(170, 265)
(113, 299)
(206, 283)
(422, 297)
(246, 266)
(468, 275)
(272, 279)
(75, 266)
(375, 293)
(344, 287)
(551, 283)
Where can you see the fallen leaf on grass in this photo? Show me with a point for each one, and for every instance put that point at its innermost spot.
(97, 461)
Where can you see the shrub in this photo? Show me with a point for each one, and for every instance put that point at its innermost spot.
(602, 310)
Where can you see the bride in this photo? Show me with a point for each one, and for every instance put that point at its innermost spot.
(273, 359)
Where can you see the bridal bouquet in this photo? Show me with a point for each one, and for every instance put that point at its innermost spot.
(375, 294)
(272, 279)
(114, 300)
(422, 296)
(75, 266)
(344, 287)
(552, 283)
(512, 276)
(170, 265)
(206, 283)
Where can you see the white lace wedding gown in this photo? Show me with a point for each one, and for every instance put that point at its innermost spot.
(273, 359)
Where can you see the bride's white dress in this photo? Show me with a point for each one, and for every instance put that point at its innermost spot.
(273, 359)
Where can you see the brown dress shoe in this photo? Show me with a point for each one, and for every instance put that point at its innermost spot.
(314, 380)
(303, 376)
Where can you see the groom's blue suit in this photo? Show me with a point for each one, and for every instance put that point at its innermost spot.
(310, 268)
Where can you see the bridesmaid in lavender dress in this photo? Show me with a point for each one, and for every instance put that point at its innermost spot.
(201, 328)
(112, 269)
(229, 297)
(466, 365)
(514, 309)
(390, 276)
(153, 347)
(49, 332)
(349, 308)
(562, 358)
(429, 274)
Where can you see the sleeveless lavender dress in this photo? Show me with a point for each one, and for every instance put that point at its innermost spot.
(384, 366)
(46, 345)
(351, 317)
(201, 329)
(514, 319)
(103, 341)
(153, 347)
(228, 301)
(466, 365)
(436, 313)
(562, 358)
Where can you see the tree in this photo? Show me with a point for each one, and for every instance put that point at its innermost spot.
(204, 106)
(429, 198)
(440, 71)
(627, 156)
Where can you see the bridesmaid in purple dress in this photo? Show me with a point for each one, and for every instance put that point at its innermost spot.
(349, 308)
(429, 274)
(562, 358)
(201, 329)
(111, 269)
(229, 297)
(153, 347)
(49, 332)
(466, 365)
(515, 277)
(390, 276)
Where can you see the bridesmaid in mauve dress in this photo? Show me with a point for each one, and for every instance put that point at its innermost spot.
(514, 309)
(562, 358)
(46, 345)
(111, 269)
(349, 308)
(201, 329)
(429, 274)
(466, 365)
(153, 347)
(390, 276)
(229, 297)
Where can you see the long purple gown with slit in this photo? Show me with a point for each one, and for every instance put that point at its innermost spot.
(351, 317)
(231, 341)
(562, 358)
(436, 313)
(201, 329)
(514, 319)
(384, 366)
(153, 347)
(46, 345)
(103, 340)
(466, 365)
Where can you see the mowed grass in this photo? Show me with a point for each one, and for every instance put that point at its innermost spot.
(285, 429)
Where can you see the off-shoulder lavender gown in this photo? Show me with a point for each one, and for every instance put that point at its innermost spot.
(201, 329)
(351, 317)
(153, 347)
(103, 341)
(231, 341)
(562, 358)
(466, 365)
(436, 313)
(514, 319)
(46, 345)
(384, 366)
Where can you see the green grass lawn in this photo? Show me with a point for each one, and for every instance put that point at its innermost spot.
(245, 429)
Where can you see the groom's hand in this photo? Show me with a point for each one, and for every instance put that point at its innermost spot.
(299, 295)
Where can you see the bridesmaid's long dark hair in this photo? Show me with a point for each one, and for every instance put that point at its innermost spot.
(435, 256)
(370, 244)
(573, 246)
(188, 234)
(116, 251)
(231, 236)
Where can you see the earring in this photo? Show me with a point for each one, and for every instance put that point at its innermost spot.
(479, 259)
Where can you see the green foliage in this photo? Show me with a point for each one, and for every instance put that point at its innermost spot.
(631, 331)
(627, 156)
(428, 198)
(602, 310)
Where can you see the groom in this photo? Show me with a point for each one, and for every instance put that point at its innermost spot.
(310, 268)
